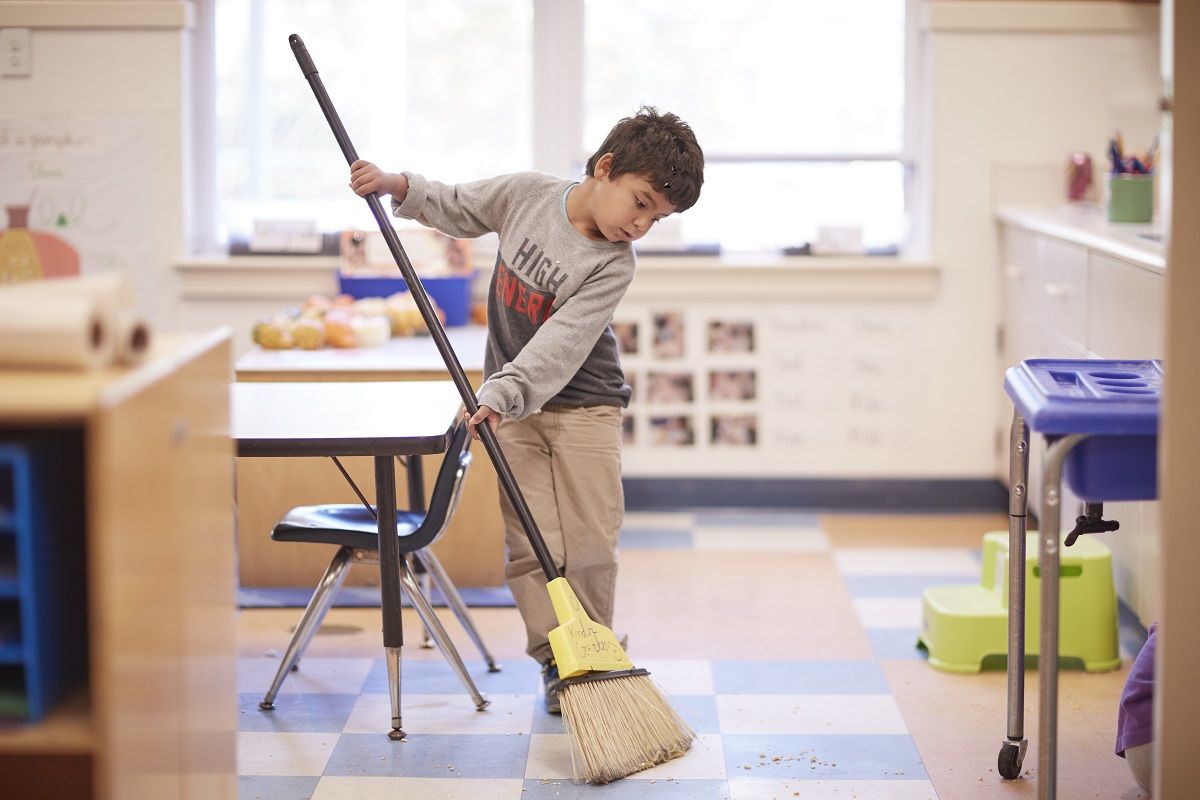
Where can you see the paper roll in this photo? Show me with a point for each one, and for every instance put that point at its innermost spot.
(132, 339)
(57, 331)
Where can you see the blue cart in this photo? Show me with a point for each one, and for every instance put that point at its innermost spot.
(1100, 420)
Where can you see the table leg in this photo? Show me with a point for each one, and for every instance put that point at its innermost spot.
(1012, 750)
(1048, 561)
(389, 582)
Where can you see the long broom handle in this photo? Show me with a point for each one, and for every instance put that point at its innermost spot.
(490, 443)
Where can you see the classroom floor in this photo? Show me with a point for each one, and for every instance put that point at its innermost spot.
(785, 638)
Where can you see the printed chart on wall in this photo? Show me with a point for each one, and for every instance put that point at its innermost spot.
(71, 186)
(776, 388)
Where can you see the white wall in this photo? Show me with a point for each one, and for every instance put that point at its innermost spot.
(1011, 85)
(123, 62)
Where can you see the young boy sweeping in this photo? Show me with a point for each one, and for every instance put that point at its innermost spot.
(552, 370)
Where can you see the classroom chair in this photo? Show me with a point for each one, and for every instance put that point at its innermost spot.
(353, 529)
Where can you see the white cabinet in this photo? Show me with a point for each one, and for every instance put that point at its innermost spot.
(1074, 299)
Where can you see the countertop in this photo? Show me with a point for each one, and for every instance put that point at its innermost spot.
(1086, 225)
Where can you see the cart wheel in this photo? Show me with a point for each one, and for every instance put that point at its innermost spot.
(1009, 762)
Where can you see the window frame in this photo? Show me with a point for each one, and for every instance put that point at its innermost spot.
(558, 115)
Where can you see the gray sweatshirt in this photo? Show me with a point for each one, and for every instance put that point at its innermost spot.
(552, 294)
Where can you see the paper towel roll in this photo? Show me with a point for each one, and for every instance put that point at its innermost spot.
(132, 339)
(58, 330)
(111, 290)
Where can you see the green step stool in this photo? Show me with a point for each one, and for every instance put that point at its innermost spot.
(961, 625)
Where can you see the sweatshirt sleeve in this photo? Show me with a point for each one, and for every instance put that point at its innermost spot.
(463, 210)
(559, 348)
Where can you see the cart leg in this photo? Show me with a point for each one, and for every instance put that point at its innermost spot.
(1051, 522)
(1012, 749)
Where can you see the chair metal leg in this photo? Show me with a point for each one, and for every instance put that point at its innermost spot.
(433, 566)
(426, 638)
(1050, 521)
(1012, 749)
(314, 613)
(408, 582)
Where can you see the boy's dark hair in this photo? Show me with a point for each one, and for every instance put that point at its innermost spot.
(660, 146)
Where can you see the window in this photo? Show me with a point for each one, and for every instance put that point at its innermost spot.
(441, 87)
(800, 106)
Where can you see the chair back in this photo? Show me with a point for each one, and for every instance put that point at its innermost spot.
(447, 488)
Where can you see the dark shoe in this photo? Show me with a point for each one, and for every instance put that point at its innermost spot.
(551, 684)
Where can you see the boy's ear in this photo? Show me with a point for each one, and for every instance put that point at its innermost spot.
(603, 167)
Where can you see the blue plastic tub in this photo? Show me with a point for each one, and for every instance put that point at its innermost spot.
(452, 292)
(1116, 402)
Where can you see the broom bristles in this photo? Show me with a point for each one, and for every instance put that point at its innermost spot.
(619, 726)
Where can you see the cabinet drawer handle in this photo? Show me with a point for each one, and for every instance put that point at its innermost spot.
(1055, 290)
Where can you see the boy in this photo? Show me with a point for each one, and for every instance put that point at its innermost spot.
(551, 368)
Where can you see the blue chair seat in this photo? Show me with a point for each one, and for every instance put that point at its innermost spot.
(349, 524)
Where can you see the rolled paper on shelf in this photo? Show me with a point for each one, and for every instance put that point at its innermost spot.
(132, 339)
(60, 331)
(110, 289)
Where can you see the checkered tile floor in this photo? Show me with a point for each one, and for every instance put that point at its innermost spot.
(780, 728)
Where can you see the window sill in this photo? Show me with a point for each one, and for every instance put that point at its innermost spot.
(758, 276)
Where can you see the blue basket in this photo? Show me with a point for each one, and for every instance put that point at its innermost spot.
(1116, 402)
(452, 292)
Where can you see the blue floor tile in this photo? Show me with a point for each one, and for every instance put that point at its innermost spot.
(430, 756)
(752, 517)
(698, 711)
(628, 789)
(262, 787)
(798, 677)
(656, 539)
(434, 676)
(857, 757)
(296, 713)
(898, 643)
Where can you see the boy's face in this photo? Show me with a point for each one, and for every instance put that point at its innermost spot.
(626, 207)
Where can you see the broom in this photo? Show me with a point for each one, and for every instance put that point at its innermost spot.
(617, 719)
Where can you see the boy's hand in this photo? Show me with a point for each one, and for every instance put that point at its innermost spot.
(365, 178)
(484, 413)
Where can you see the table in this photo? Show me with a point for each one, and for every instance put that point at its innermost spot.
(1100, 419)
(381, 420)
(472, 549)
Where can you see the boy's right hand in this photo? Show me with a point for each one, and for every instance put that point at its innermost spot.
(365, 178)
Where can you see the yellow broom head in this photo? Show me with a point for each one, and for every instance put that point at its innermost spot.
(620, 723)
(581, 645)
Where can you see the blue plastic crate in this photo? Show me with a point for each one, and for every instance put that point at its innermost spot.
(43, 607)
(1116, 402)
(452, 293)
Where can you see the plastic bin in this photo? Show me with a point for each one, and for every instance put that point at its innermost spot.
(451, 292)
(1115, 402)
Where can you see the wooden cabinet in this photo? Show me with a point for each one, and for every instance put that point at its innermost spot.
(155, 716)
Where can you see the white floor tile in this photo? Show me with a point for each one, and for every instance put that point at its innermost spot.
(444, 713)
(783, 539)
(550, 759)
(809, 714)
(906, 561)
(658, 519)
(889, 612)
(365, 788)
(832, 790)
(679, 676)
(284, 753)
(316, 675)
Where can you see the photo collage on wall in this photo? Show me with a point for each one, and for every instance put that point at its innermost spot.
(682, 398)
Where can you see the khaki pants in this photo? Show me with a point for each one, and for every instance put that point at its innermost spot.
(567, 462)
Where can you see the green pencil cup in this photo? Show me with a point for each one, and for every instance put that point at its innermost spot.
(1130, 198)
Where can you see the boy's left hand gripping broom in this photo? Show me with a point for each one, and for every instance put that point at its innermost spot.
(618, 720)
